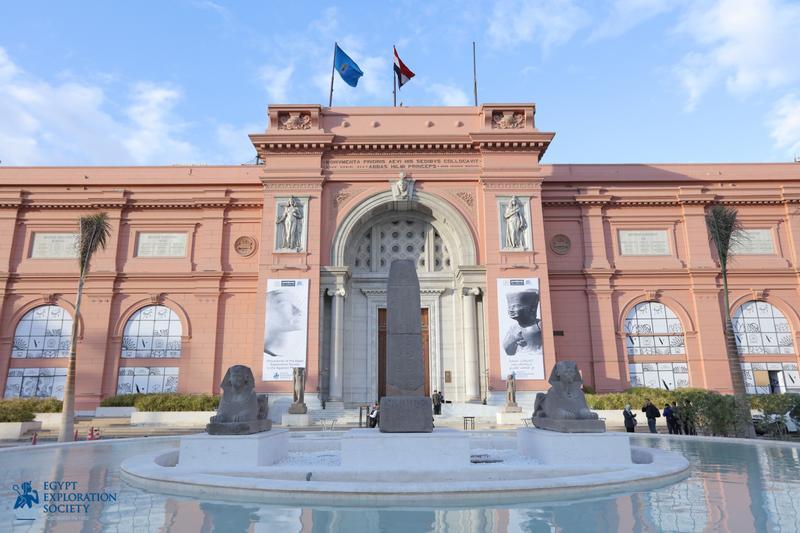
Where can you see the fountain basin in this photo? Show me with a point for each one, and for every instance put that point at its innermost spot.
(317, 470)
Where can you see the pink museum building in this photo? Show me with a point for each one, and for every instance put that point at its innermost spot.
(284, 264)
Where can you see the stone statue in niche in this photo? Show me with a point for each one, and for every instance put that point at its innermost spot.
(298, 406)
(403, 188)
(294, 121)
(241, 411)
(563, 408)
(290, 221)
(508, 120)
(511, 395)
(515, 224)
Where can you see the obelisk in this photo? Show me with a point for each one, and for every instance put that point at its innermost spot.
(405, 408)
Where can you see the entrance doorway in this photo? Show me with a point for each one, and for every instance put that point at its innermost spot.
(382, 351)
(768, 381)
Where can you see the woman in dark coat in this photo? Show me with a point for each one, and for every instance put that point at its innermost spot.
(630, 418)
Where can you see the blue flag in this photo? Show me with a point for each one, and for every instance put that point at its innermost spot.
(346, 67)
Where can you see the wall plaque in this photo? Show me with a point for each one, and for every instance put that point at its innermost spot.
(54, 246)
(560, 244)
(161, 245)
(245, 246)
(754, 242)
(643, 242)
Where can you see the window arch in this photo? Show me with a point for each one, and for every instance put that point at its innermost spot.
(652, 328)
(760, 328)
(153, 331)
(43, 332)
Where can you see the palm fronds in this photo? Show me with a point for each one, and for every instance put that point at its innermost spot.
(724, 231)
(95, 230)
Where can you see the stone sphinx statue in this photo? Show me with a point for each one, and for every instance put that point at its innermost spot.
(563, 408)
(241, 411)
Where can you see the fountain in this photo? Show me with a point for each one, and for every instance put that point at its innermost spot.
(567, 452)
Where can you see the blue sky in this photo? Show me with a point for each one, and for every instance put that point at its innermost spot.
(646, 81)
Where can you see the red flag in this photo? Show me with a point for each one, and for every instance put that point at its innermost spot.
(401, 70)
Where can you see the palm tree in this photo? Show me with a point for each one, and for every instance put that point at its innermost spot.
(95, 231)
(724, 232)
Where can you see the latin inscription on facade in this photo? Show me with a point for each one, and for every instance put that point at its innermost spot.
(754, 242)
(643, 242)
(161, 245)
(395, 163)
(55, 246)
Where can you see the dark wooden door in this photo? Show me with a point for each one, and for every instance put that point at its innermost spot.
(382, 351)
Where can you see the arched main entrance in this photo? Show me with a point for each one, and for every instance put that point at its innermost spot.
(429, 231)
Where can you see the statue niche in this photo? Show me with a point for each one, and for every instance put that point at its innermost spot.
(290, 225)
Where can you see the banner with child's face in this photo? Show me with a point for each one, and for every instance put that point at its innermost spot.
(519, 315)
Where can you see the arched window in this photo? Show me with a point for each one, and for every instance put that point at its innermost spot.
(761, 328)
(152, 332)
(651, 328)
(43, 332)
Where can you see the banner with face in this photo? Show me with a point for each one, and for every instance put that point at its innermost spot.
(285, 328)
(520, 322)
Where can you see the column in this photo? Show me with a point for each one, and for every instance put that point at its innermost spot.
(337, 345)
(471, 364)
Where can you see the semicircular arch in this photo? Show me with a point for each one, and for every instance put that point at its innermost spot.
(444, 217)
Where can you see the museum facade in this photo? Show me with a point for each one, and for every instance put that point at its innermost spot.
(284, 264)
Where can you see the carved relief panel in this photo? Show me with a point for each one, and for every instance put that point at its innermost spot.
(291, 224)
(514, 214)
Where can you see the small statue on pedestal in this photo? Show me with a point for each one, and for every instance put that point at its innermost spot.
(298, 406)
(511, 395)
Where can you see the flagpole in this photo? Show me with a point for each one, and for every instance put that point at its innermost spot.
(394, 80)
(474, 75)
(333, 68)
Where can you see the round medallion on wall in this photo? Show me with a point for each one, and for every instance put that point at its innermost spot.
(560, 244)
(245, 246)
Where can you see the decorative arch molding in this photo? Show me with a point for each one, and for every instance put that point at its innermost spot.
(51, 299)
(672, 303)
(119, 327)
(446, 219)
(788, 312)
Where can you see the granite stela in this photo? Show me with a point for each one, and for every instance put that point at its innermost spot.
(405, 409)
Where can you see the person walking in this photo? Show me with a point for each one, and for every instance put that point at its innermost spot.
(651, 412)
(630, 418)
(670, 419)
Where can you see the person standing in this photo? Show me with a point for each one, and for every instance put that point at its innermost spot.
(688, 418)
(373, 415)
(670, 419)
(676, 418)
(437, 403)
(651, 412)
(630, 418)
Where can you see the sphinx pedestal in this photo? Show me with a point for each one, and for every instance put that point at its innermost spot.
(554, 448)
(233, 452)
